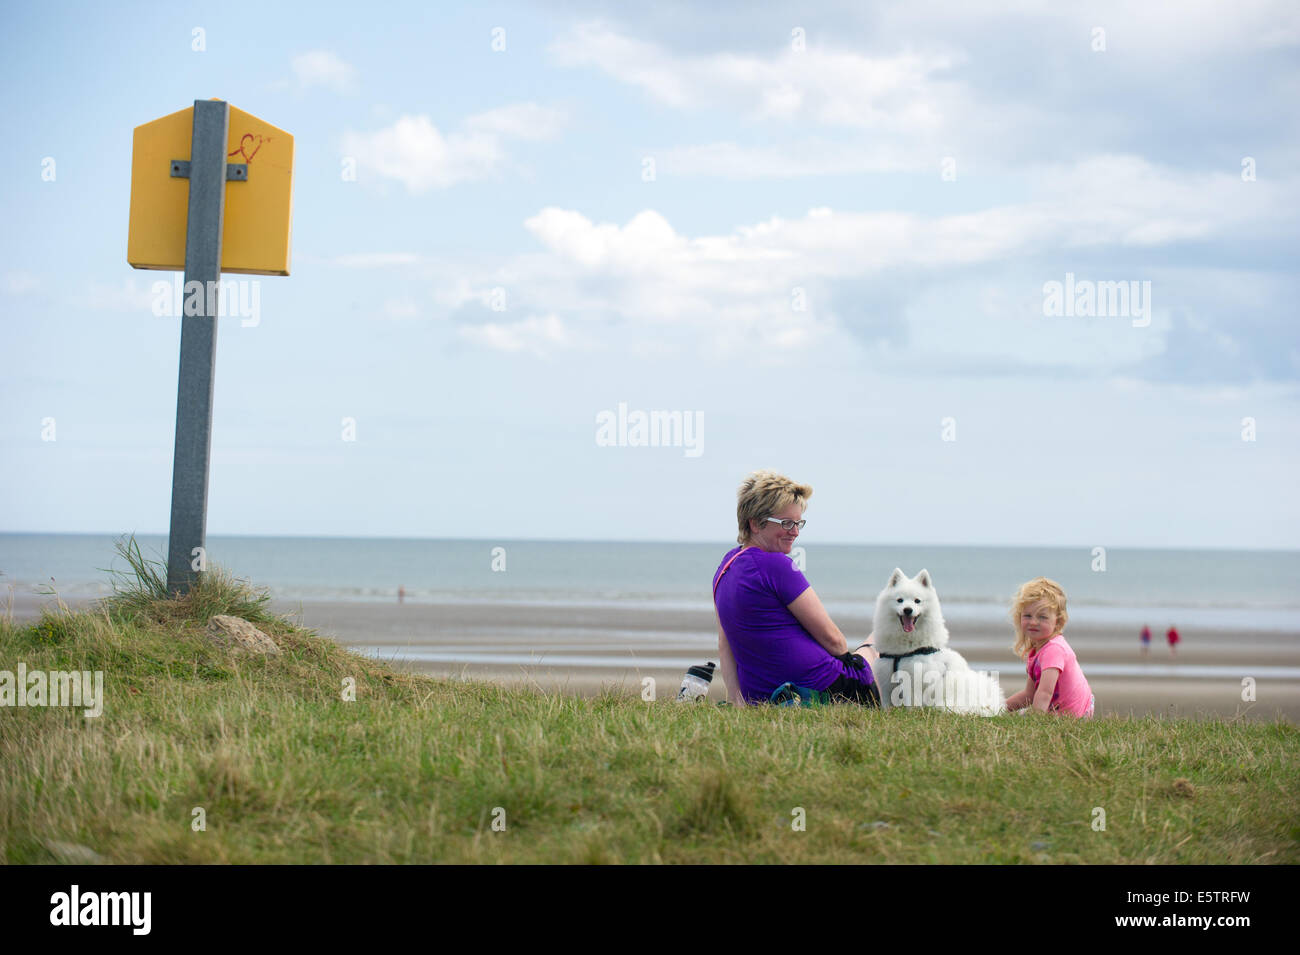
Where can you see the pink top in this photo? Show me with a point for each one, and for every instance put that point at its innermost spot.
(1072, 694)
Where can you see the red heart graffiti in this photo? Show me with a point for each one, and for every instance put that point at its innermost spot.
(243, 143)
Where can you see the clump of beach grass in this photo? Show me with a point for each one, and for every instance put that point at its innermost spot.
(140, 593)
(204, 755)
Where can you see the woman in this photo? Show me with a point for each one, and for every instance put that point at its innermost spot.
(772, 628)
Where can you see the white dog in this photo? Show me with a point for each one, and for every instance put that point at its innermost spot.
(916, 668)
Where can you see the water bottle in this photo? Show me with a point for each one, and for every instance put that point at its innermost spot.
(695, 685)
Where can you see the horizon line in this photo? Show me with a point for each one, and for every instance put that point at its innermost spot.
(712, 541)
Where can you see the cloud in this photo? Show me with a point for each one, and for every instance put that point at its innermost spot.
(537, 334)
(804, 157)
(961, 292)
(1108, 200)
(20, 282)
(904, 85)
(837, 88)
(417, 154)
(647, 241)
(520, 121)
(323, 68)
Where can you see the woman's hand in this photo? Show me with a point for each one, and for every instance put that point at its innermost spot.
(808, 610)
(868, 649)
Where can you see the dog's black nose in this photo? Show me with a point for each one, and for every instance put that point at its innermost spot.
(907, 611)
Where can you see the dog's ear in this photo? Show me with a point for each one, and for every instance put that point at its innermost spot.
(896, 578)
(923, 578)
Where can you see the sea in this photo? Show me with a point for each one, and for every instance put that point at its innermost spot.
(1221, 589)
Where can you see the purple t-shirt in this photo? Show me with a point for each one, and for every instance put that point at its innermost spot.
(771, 647)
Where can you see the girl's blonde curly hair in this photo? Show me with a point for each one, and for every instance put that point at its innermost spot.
(1040, 588)
(764, 493)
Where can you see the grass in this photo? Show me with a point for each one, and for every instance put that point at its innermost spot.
(284, 770)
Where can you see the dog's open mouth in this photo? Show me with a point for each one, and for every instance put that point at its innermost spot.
(908, 621)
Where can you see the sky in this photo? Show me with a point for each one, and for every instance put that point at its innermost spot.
(823, 235)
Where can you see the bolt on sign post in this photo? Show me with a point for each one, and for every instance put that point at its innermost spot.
(183, 216)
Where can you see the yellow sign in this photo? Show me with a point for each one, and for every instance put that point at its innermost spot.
(255, 232)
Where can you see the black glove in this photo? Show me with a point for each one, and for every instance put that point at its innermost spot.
(852, 660)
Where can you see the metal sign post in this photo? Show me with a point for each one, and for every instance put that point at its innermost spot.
(187, 539)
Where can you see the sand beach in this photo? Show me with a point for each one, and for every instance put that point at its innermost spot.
(589, 649)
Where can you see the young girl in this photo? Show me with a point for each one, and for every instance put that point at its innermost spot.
(1056, 682)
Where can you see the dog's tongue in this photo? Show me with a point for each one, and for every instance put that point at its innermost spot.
(908, 624)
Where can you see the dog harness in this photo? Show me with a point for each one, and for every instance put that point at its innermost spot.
(896, 657)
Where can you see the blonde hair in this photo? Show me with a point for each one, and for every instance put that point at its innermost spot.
(764, 493)
(1040, 588)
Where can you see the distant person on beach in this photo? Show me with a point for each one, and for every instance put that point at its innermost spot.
(1146, 640)
(401, 593)
(772, 627)
(1173, 638)
(1056, 682)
